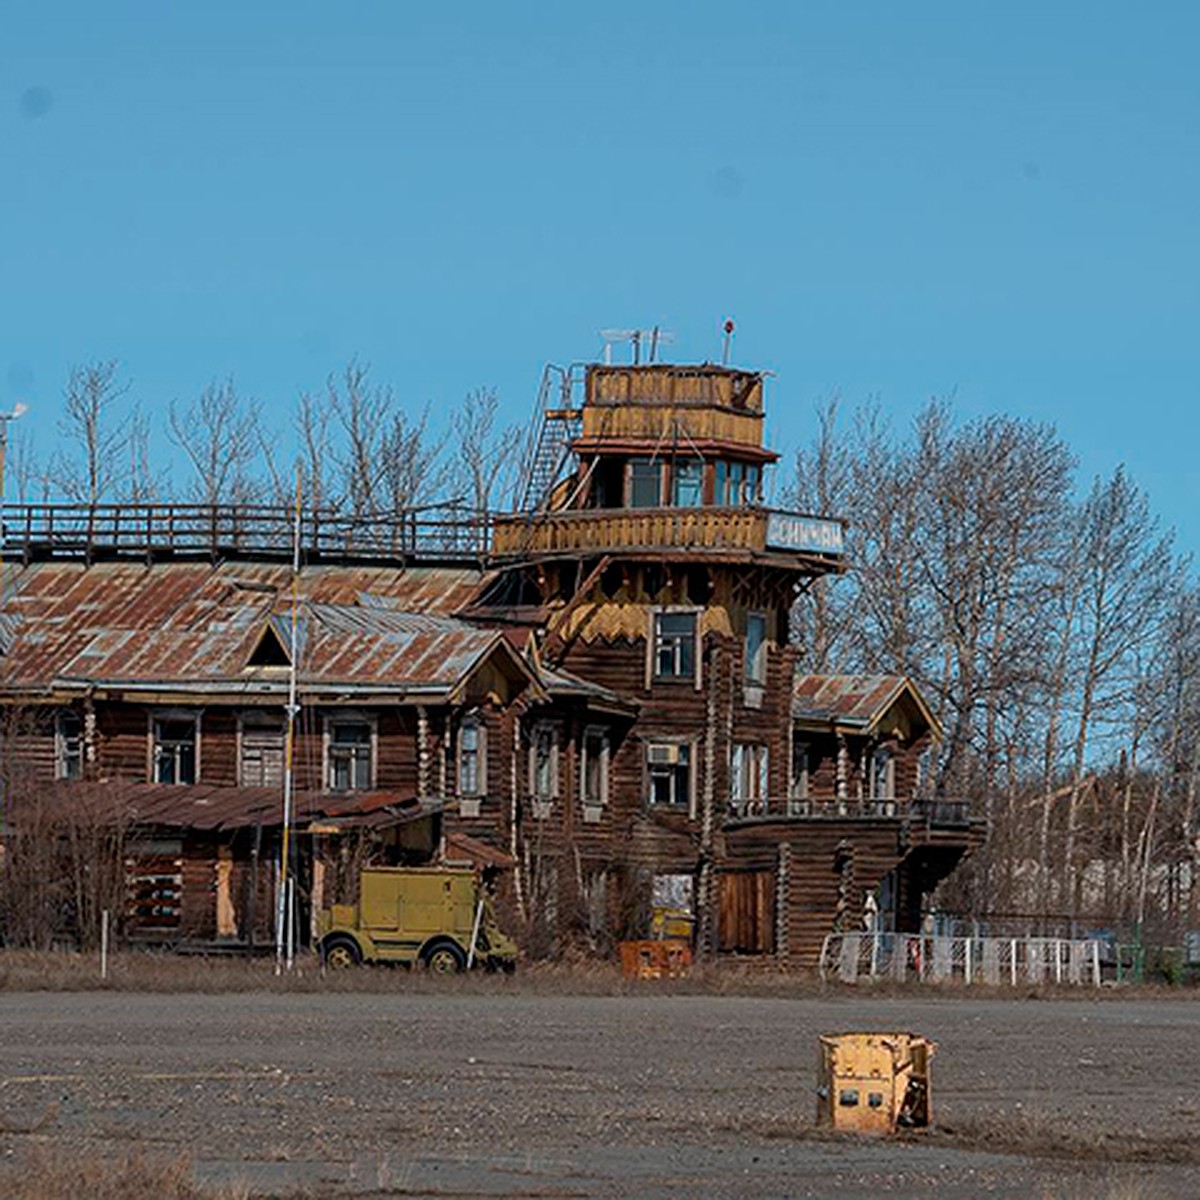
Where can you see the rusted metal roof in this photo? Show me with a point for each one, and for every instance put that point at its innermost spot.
(462, 848)
(212, 807)
(190, 624)
(854, 701)
(560, 684)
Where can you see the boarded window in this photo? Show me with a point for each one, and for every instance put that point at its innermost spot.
(261, 762)
(746, 921)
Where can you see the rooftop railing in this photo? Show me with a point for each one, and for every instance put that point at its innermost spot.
(95, 531)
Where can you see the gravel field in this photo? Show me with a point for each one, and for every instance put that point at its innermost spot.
(515, 1094)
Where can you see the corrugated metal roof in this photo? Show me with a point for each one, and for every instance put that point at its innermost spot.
(211, 807)
(853, 700)
(117, 623)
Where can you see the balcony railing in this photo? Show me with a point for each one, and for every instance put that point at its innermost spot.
(668, 529)
(924, 811)
(86, 531)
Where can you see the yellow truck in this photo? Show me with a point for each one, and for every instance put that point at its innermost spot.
(440, 917)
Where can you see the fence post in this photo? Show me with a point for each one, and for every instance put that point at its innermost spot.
(967, 962)
(104, 944)
(1013, 964)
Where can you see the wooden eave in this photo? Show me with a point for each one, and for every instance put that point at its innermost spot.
(677, 447)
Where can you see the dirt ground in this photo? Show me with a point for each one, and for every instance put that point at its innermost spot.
(511, 1093)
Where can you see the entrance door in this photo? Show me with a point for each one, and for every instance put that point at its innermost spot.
(746, 919)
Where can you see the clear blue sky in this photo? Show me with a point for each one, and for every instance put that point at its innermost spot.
(908, 200)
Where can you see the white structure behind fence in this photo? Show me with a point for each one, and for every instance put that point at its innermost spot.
(996, 961)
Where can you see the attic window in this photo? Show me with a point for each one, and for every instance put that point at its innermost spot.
(270, 651)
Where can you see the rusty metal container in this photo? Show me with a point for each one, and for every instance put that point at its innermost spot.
(666, 958)
(874, 1083)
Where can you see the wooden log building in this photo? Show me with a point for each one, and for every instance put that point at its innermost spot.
(596, 695)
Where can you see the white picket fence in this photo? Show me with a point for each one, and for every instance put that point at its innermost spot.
(848, 957)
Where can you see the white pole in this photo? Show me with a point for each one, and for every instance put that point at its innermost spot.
(1095, 964)
(291, 922)
(1057, 961)
(104, 944)
(1014, 962)
(475, 932)
(967, 961)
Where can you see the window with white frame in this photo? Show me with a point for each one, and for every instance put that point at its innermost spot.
(799, 783)
(543, 762)
(669, 774)
(68, 744)
(472, 757)
(749, 777)
(349, 754)
(593, 767)
(175, 757)
(756, 648)
(674, 645)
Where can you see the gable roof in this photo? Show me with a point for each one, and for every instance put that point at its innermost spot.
(194, 628)
(858, 703)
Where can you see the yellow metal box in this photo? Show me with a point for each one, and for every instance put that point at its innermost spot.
(874, 1082)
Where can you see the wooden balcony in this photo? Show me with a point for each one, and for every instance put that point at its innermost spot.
(704, 532)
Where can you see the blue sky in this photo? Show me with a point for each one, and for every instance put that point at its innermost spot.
(998, 201)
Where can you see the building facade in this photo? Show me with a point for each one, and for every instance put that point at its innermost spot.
(595, 696)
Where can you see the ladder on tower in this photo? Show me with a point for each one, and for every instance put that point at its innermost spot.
(558, 420)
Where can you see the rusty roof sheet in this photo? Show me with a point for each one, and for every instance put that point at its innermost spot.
(461, 848)
(188, 623)
(852, 700)
(210, 807)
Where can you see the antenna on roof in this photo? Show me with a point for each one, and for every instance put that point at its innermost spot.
(652, 339)
(728, 327)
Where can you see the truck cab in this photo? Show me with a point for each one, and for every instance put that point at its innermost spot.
(442, 918)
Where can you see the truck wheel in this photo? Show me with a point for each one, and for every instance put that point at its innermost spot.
(338, 954)
(446, 958)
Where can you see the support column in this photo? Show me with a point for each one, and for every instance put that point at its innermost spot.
(422, 751)
(783, 872)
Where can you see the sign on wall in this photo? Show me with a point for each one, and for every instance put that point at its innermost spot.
(814, 535)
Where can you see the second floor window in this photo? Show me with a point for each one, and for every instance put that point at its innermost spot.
(593, 769)
(749, 776)
(175, 749)
(686, 480)
(645, 483)
(471, 768)
(674, 645)
(68, 745)
(261, 763)
(736, 484)
(543, 762)
(350, 756)
(756, 648)
(669, 774)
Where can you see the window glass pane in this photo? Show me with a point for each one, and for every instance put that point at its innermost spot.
(756, 650)
(645, 487)
(752, 479)
(721, 485)
(352, 734)
(675, 644)
(687, 477)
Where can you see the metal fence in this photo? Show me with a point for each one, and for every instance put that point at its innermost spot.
(848, 957)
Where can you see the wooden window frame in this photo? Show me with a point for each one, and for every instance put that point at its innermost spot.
(755, 673)
(652, 742)
(61, 740)
(602, 732)
(538, 730)
(759, 772)
(349, 717)
(479, 792)
(652, 639)
(160, 715)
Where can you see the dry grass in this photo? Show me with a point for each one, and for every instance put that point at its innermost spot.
(40, 1175)
(145, 971)
(1046, 1135)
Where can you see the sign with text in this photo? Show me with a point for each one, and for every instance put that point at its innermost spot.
(813, 535)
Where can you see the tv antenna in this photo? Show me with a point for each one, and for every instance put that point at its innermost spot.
(649, 339)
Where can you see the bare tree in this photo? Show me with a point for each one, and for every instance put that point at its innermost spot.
(93, 468)
(218, 433)
(486, 457)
